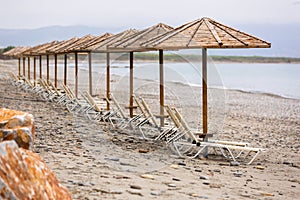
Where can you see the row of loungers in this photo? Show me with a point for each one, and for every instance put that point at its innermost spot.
(177, 134)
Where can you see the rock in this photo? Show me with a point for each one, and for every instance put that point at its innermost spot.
(194, 195)
(234, 163)
(137, 187)
(18, 126)
(182, 164)
(171, 185)
(203, 178)
(154, 193)
(147, 176)
(198, 170)
(217, 170)
(143, 151)
(176, 179)
(134, 192)
(237, 174)
(266, 194)
(24, 175)
(174, 166)
(206, 183)
(260, 167)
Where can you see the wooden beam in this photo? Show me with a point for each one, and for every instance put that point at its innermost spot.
(41, 62)
(34, 70)
(48, 69)
(55, 70)
(24, 60)
(161, 87)
(76, 74)
(65, 69)
(90, 73)
(204, 91)
(28, 67)
(19, 66)
(131, 84)
(108, 79)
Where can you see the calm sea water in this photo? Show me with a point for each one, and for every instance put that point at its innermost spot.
(279, 79)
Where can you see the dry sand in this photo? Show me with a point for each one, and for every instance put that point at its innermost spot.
(94, 163)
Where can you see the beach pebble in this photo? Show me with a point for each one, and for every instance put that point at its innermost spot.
(237, 174)
(147, 176)
(260, 167)
(171, 185)
(194, 195)
(137, 187)
(174, 166)
(206, 183)
(198, 170)
(234, 163)
(143, 151)
(266, 194)
(133, 192)
(154, 193)
(203, 178)
(176, 179)
(182, 164)
(217, 170)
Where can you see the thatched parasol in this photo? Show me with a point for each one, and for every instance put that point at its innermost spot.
(203, 33)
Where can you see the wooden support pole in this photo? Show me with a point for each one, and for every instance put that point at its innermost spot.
(76, 74)
(204, 90)
(161, 87)
(131, 84)
(34, 70)
(90, 74)
(19, 66)
(41, 70)
(24, 60)
(28, 67)
(108, 79)
(65, 69)
(48, 68)
(55, 70)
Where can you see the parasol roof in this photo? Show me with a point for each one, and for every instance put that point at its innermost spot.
(92, 42)
(36, 50)
(72, 46)
(205, 33)
(102, 46)
(16, 51)
(133, 42)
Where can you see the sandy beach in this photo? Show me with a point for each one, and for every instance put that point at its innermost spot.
(95, 163)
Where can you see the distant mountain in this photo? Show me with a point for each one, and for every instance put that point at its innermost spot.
(30, 37)
(284, 38)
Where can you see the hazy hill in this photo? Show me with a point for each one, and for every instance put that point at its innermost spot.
(284, 38)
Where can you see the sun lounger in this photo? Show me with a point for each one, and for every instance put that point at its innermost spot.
(186, 142)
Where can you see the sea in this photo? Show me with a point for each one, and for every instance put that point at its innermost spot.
(282, 79)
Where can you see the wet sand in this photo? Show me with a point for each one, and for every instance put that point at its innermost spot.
(95, 163)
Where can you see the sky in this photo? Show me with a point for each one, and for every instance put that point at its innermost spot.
(28, 14)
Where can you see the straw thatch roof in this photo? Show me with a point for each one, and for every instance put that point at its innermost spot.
(36, 50)
(83, 47)
(71, 47)
(102, 46)
(205, 33)
(60, 45)
(15, 52)
(133, 42)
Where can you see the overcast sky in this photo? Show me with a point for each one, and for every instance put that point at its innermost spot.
(143, 13)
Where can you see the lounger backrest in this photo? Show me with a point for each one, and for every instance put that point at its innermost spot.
(92, 101)
(146, 107)
(118, 106)
(184, 124)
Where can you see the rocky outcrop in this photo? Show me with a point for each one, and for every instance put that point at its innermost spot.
(18, 126)
(24, 175)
